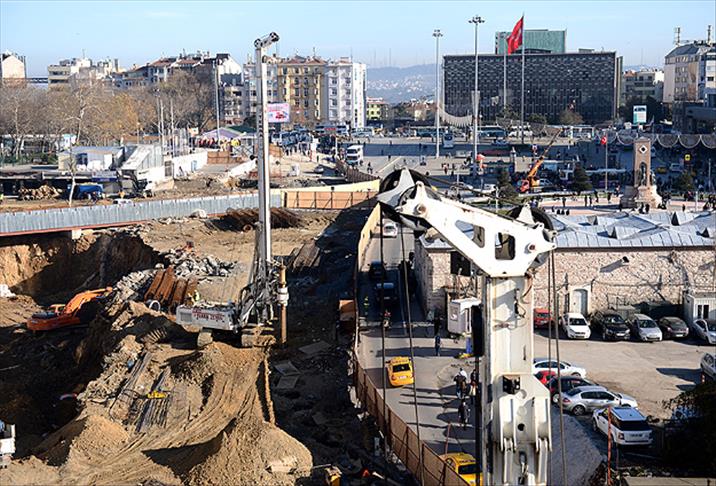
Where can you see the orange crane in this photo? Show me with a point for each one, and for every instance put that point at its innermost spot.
(531, 181)
(70, 314)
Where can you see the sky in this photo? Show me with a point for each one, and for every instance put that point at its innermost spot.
(379, 33)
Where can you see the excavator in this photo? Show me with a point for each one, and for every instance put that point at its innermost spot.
(530, 182)
(77, 311)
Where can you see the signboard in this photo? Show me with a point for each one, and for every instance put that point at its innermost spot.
(639, 114)
(278, 112)
(687, 157)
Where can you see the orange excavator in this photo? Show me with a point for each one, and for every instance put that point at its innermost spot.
(79, 310)
(531, 181)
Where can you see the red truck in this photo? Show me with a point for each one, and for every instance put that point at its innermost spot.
(542, 318)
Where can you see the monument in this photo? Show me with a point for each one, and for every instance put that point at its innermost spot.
(643, 187)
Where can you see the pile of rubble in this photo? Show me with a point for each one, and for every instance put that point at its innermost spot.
(245, 219)
(42, 192)
(188, 264)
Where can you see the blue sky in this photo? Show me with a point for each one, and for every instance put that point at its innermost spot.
(373, 31)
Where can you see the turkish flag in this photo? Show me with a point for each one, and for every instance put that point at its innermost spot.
(515, 39)
(603, 140)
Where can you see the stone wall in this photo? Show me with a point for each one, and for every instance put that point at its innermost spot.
(648, 276)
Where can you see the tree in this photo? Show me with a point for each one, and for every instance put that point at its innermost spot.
(684, 182)
(654, 109)
(504, 183)
(570, 117)
(693, 445)
(581, 180)
(537, 118)
(21, 113)
(191, 95)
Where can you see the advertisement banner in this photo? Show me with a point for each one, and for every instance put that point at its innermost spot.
(278, 112)
(639, 114)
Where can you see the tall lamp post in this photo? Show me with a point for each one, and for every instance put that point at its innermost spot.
(437, 34)
(477, 20)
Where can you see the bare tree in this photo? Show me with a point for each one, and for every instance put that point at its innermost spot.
(21, 109)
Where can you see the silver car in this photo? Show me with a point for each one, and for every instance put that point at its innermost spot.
(644, 328)
(584, 399)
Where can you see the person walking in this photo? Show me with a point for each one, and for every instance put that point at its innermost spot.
(463, 413)
(473, 386)
(438, 344)
(459, 381)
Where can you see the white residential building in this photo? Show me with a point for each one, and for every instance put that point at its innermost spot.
(681, 72)
(80, 69)
(344, 97)
(707, 76)
(641, 85)
(12, 66)
(248, 86)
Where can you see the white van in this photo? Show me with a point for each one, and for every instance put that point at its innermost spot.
(354, 155)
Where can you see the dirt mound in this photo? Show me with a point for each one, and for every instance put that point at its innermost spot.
(249, 452)
(82, 441)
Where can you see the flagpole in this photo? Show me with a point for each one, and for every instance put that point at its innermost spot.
(504, 81)
(606, 166)
(522, 109)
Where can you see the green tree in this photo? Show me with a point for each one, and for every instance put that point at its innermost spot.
(570, 117)
(654, 109)
(684, 182)
(537, 118)
(504, 183)
(694, 444)
(581, 180)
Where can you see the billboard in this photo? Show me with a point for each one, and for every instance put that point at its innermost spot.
(278, 112)
(639, 114)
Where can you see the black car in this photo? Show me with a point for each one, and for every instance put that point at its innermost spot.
(611, 324)
(377, 271)
(673, 327)
(386, 291)
(568, 382)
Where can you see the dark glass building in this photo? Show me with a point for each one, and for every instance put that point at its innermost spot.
(586, 82)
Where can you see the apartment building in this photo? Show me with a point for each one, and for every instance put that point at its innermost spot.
(82, 70)
(344, 98)
(376, 109)
(682, 71)
(641, 85)
(247, 92)
(12, 67)
(301, 84)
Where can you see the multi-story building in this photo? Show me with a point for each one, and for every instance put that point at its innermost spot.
(640, 85)
(536, 41)
(82, 70)
(681, 71)
(377, 109)
(707, 76)
(247, 93)
(301, 85)
(344, 93)
(585, 82)
(12, 67)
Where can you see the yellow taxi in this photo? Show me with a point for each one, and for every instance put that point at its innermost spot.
(400, 371)
(464, 465)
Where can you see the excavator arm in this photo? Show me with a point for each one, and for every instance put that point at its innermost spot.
(515, 420)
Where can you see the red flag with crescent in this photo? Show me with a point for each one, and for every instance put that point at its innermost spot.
(515, 39)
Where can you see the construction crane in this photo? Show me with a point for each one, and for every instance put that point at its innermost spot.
(515, 413)
(531, 181)
(77, 311)
(267, 281)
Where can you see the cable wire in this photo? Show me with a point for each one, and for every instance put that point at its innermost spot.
(559, 372)
(409, 323)
(382, 332)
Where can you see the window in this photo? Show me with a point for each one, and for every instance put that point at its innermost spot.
(305, 91)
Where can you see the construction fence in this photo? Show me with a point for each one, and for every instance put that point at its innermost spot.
(353, 175)
(325, 199)
(425, 465)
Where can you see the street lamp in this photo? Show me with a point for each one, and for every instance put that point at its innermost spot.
(437, 34)
(477, 20)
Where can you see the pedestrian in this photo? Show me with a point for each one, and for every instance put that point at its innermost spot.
(463, 413)
(609, 197)
(473, 392)
(586, 200)
(438, 343)
(459, 382)
(564, 202)
(436, 325)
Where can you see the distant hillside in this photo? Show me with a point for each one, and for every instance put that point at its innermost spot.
(396, 84)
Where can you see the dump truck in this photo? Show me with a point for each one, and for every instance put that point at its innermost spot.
(81, 309)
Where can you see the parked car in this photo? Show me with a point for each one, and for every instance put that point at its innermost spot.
(400, 371)
(673, 327)
(575, 326)
(583, 399)
(708, 367)
(568, 382)
(319, 169)
(545, 376)
(464, 465)
(644, 328)
(705, 329)
(390, 230)
(377, 271)
(628, 425)
(566, 369)
(541, 318)
(612, 325)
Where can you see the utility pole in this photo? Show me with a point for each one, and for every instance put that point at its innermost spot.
(216, 100)
(437, 34)
(477, 20)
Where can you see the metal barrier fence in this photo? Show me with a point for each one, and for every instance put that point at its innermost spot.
(401, 439)
(325, 199)
(130, 212)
